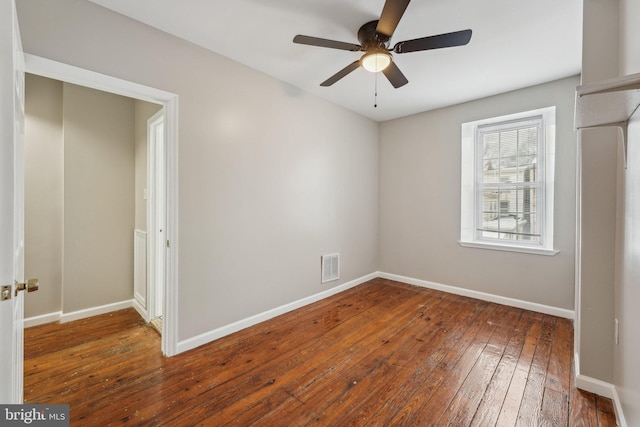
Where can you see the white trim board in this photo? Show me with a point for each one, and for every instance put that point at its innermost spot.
(600, 388)
(79, 76)
(604, 389)
(139, 264)
(59, 316)
(141, 310)
(617, 406)
(223, 331)
(512, 302)
(94, 311)
(42, 319)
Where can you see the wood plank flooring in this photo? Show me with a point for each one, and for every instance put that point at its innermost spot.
(380, 354)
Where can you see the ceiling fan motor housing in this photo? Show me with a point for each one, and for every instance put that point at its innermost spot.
(370, 39)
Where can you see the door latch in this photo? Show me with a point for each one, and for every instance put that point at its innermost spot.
(5, 293)
(30, 285)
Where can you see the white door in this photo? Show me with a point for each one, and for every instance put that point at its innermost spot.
(11, 204)
(156, 212)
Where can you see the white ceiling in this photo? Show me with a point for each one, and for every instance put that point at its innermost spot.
(515, 44)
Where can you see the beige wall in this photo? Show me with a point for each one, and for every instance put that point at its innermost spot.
(626, 367)
(420, 202)
(43, 193)
(270, 178)
(143, 111)
(599, 40)
(629, 11)
(98, 198)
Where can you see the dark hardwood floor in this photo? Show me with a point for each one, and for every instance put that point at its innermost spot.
(380, 354)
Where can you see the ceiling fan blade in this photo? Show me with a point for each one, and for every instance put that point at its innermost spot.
(395, 76)
(340, 74)
(457, 38)
(332, 44)
(390, 17)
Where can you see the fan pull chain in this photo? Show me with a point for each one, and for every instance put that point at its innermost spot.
(375, 92)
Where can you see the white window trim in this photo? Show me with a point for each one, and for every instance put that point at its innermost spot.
(468, 175)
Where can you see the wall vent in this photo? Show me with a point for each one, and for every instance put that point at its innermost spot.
(330, 267)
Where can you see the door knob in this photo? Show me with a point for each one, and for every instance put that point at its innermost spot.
(30, 285)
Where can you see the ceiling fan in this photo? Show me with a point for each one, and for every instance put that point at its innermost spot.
(374, 39)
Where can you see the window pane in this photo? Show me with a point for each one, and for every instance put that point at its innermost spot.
(508, 148)
(509, 212)
(491, 157)
(528, 141)
(490, 205)
(506, 202)
(527, 153)
(530, 228)
(510, 228)
(490, 176)
(526, 168)
(490, 147)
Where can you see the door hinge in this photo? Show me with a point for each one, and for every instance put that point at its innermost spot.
(168, 244)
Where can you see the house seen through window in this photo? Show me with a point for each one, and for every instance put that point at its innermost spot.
(508, 185)
(507, 182)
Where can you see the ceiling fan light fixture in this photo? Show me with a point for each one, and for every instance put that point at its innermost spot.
(376, 61)
(374, 38)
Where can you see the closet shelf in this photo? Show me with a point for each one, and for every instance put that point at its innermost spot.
(608, 103)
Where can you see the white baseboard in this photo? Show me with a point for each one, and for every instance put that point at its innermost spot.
(595, 386)
(617, 405)
(512, 302)
(141, 310)
(59, 316)
(94, 311)
(604, 389)
(42, 319)
(601, 388)
(222, 331)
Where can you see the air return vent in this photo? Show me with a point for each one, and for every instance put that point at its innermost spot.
(330, 267)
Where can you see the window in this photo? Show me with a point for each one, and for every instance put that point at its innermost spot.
(507, 182)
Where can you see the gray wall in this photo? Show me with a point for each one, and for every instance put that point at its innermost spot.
(420, 202)
(44, 189)
(597, 261)
(626, 368)
(599, 162)
(627, 295)
(270, 178)
(610, 48)
(629, 34)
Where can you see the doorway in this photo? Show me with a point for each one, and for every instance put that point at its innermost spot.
(165, 207)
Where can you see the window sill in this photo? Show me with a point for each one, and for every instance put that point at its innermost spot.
(509, 248)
